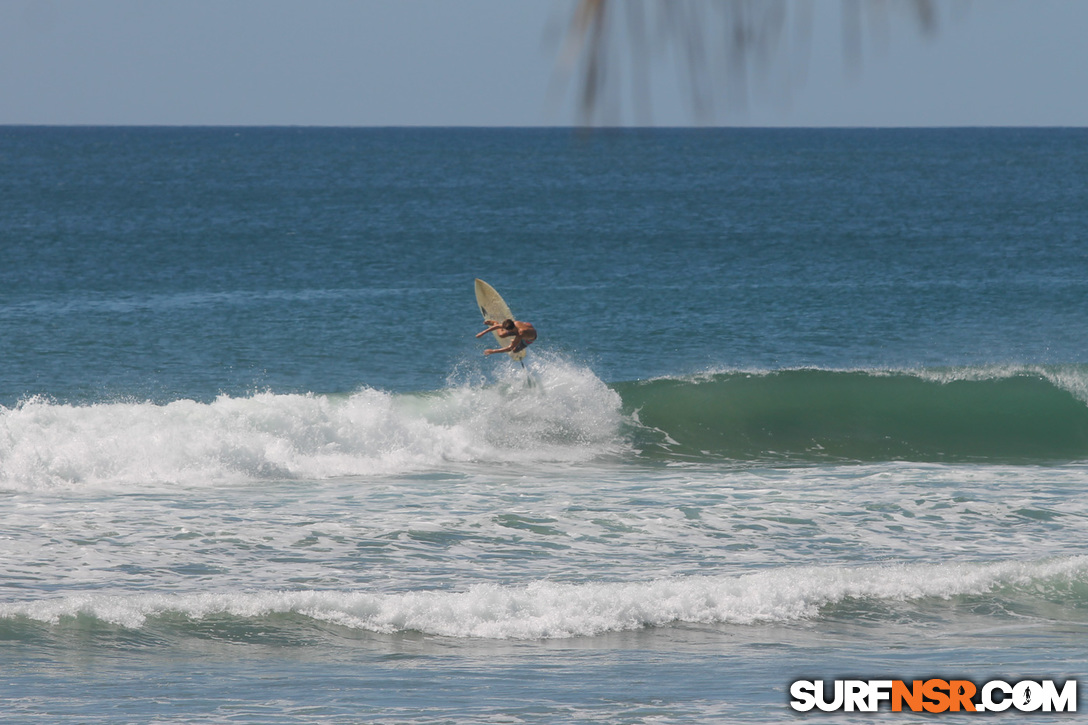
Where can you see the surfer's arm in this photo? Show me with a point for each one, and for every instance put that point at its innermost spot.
(494, 326)
(508, 348)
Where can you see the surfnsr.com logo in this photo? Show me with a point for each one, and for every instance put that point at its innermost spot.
(934, 695)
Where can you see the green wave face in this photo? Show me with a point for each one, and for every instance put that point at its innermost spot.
(1023, 416)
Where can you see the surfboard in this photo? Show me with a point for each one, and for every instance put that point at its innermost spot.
(494, 307)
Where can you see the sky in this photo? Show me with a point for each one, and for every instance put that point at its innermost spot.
(500, 63)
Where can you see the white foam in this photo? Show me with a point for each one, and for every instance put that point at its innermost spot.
(545, 609)
(569, 415)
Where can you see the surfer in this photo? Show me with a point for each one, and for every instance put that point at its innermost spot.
(523, 333)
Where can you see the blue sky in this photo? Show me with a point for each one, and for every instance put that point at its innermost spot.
(495, 63)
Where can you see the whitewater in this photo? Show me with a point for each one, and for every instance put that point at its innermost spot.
(271, 436)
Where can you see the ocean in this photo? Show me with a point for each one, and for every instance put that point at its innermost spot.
(806, 404)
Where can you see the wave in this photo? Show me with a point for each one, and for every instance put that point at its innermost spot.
(557, 412)
(568, 415)
(1005, 415)
(546, 609)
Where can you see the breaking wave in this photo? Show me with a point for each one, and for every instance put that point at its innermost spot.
(546, 609)
(562, 414)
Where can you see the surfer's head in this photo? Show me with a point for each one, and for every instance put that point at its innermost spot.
(508, 324)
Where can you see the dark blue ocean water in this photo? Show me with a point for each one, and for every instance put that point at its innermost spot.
(804, 403)
(322, 260)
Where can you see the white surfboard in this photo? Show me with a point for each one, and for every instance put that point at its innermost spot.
(493, 307)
